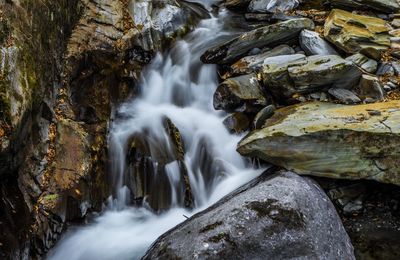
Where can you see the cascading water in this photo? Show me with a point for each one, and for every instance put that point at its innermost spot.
(178, 89)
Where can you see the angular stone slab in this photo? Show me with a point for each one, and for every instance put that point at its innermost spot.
(354, 33)
(290, 74)
(271, 35)
(363, 62)
(325, 70)
(250, 64)
(275, 74)
(345, 96)
(330, 140)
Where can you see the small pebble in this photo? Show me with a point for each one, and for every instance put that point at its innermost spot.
(255, 51)
(369, 100)
(387, 88)
(374, 112)
(391, 85)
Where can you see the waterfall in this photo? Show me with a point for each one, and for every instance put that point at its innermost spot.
(175, 102)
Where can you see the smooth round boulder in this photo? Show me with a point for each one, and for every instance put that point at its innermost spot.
(277, 216)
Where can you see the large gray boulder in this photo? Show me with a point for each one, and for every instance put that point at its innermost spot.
(278, 216)
(331, 140)
(270, 36)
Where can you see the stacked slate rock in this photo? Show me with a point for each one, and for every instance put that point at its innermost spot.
(316, 85)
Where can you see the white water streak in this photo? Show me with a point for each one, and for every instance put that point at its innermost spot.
(178, 86)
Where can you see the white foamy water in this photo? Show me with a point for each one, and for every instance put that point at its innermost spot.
(178, 86)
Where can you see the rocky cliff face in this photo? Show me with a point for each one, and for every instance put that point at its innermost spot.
(63, 65)
(35, 37)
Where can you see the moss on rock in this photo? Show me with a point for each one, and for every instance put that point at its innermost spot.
(331, 140)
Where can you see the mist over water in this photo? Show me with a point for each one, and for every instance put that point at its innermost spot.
(177, 86)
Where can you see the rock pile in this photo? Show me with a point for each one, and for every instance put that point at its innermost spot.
(347, 58)
(320, 82)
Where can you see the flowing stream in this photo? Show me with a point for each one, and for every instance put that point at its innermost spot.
(179, 87)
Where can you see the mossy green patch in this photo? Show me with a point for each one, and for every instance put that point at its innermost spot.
(51, 197)
(5, 31)
(210, 227)
(222, 237)
(5, 106)
(290, 218)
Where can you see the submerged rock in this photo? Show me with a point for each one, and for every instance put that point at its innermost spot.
(313, 44)
(386, 6)
(241, 93)
(271, 35)
(354, 33)
(153, 162)
(330, 140)
(279, 216)
(250, 64)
